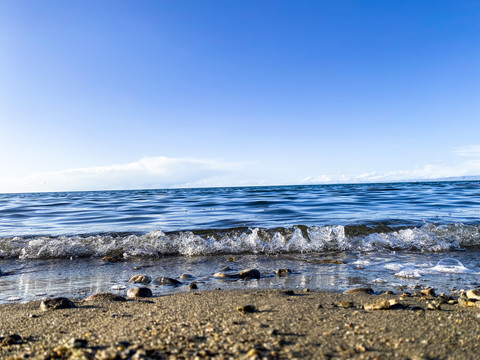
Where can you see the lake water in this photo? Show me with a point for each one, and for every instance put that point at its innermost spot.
(332, 237)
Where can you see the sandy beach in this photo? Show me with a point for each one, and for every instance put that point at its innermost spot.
(222, 325)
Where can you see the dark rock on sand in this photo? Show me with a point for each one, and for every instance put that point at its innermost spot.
(166, 281)
(193, 286)
(247, 308)
(364, 290)
(105, 297)
(11, 339)
(140, 279)
(139, 292)
(56, 303)
(77, 343)
(283, 272)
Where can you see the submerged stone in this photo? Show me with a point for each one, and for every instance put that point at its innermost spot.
(166, 281)
(249, 274)
(140, 279)
(283, 272)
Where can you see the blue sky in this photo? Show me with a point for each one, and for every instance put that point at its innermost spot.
(153, 94)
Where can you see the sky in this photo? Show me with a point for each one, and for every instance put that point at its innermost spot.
(117, 94)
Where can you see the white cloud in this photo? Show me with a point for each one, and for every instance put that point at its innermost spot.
(464, 168)
(148, 172)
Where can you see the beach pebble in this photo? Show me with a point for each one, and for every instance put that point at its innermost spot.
(247, 308)
(364, 290)
(249, 274)
(428, 292)
(345, 304)
(139, 292)
(12, 339)
(381, 304)
(473, 294)
(468, 303)
(193, 286)
(77, 343)
(166, 281)
(105, 297)
(56, 303)
(283, 272)
(140, 279)
(186, 277)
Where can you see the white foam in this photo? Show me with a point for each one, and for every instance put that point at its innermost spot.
(288, 240)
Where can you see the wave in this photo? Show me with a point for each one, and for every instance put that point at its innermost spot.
(296, 239)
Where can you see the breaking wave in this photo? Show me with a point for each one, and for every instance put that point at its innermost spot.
(296, 239)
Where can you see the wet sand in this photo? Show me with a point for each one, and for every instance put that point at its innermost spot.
(213, 324)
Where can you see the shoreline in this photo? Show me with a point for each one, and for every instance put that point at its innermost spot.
(218, 324)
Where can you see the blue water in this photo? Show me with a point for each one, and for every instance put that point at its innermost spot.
(385, 234)
(409, 204)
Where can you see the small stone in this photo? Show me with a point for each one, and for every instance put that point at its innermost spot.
(365, 290)
(360, 348)
(193, 286)
(253, 354)
(12, 339)
(56, 303)
(222, 275)
(473, 294)
(139, 292)
(395, 305)
(466, 303)
(105, 297)
(186, 276)
(283, 272)
(247, 308)
(428, 292)
(381, 304)
(111, 259)
(249, 274)
(77, 343)
(388, 292)
(306, 290)
(345, 304)
(289, 292)
(166, 281)
(433, 306)
(273, 332)
(140, 279)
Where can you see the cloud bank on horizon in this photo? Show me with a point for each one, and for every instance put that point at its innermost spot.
(165, 172)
